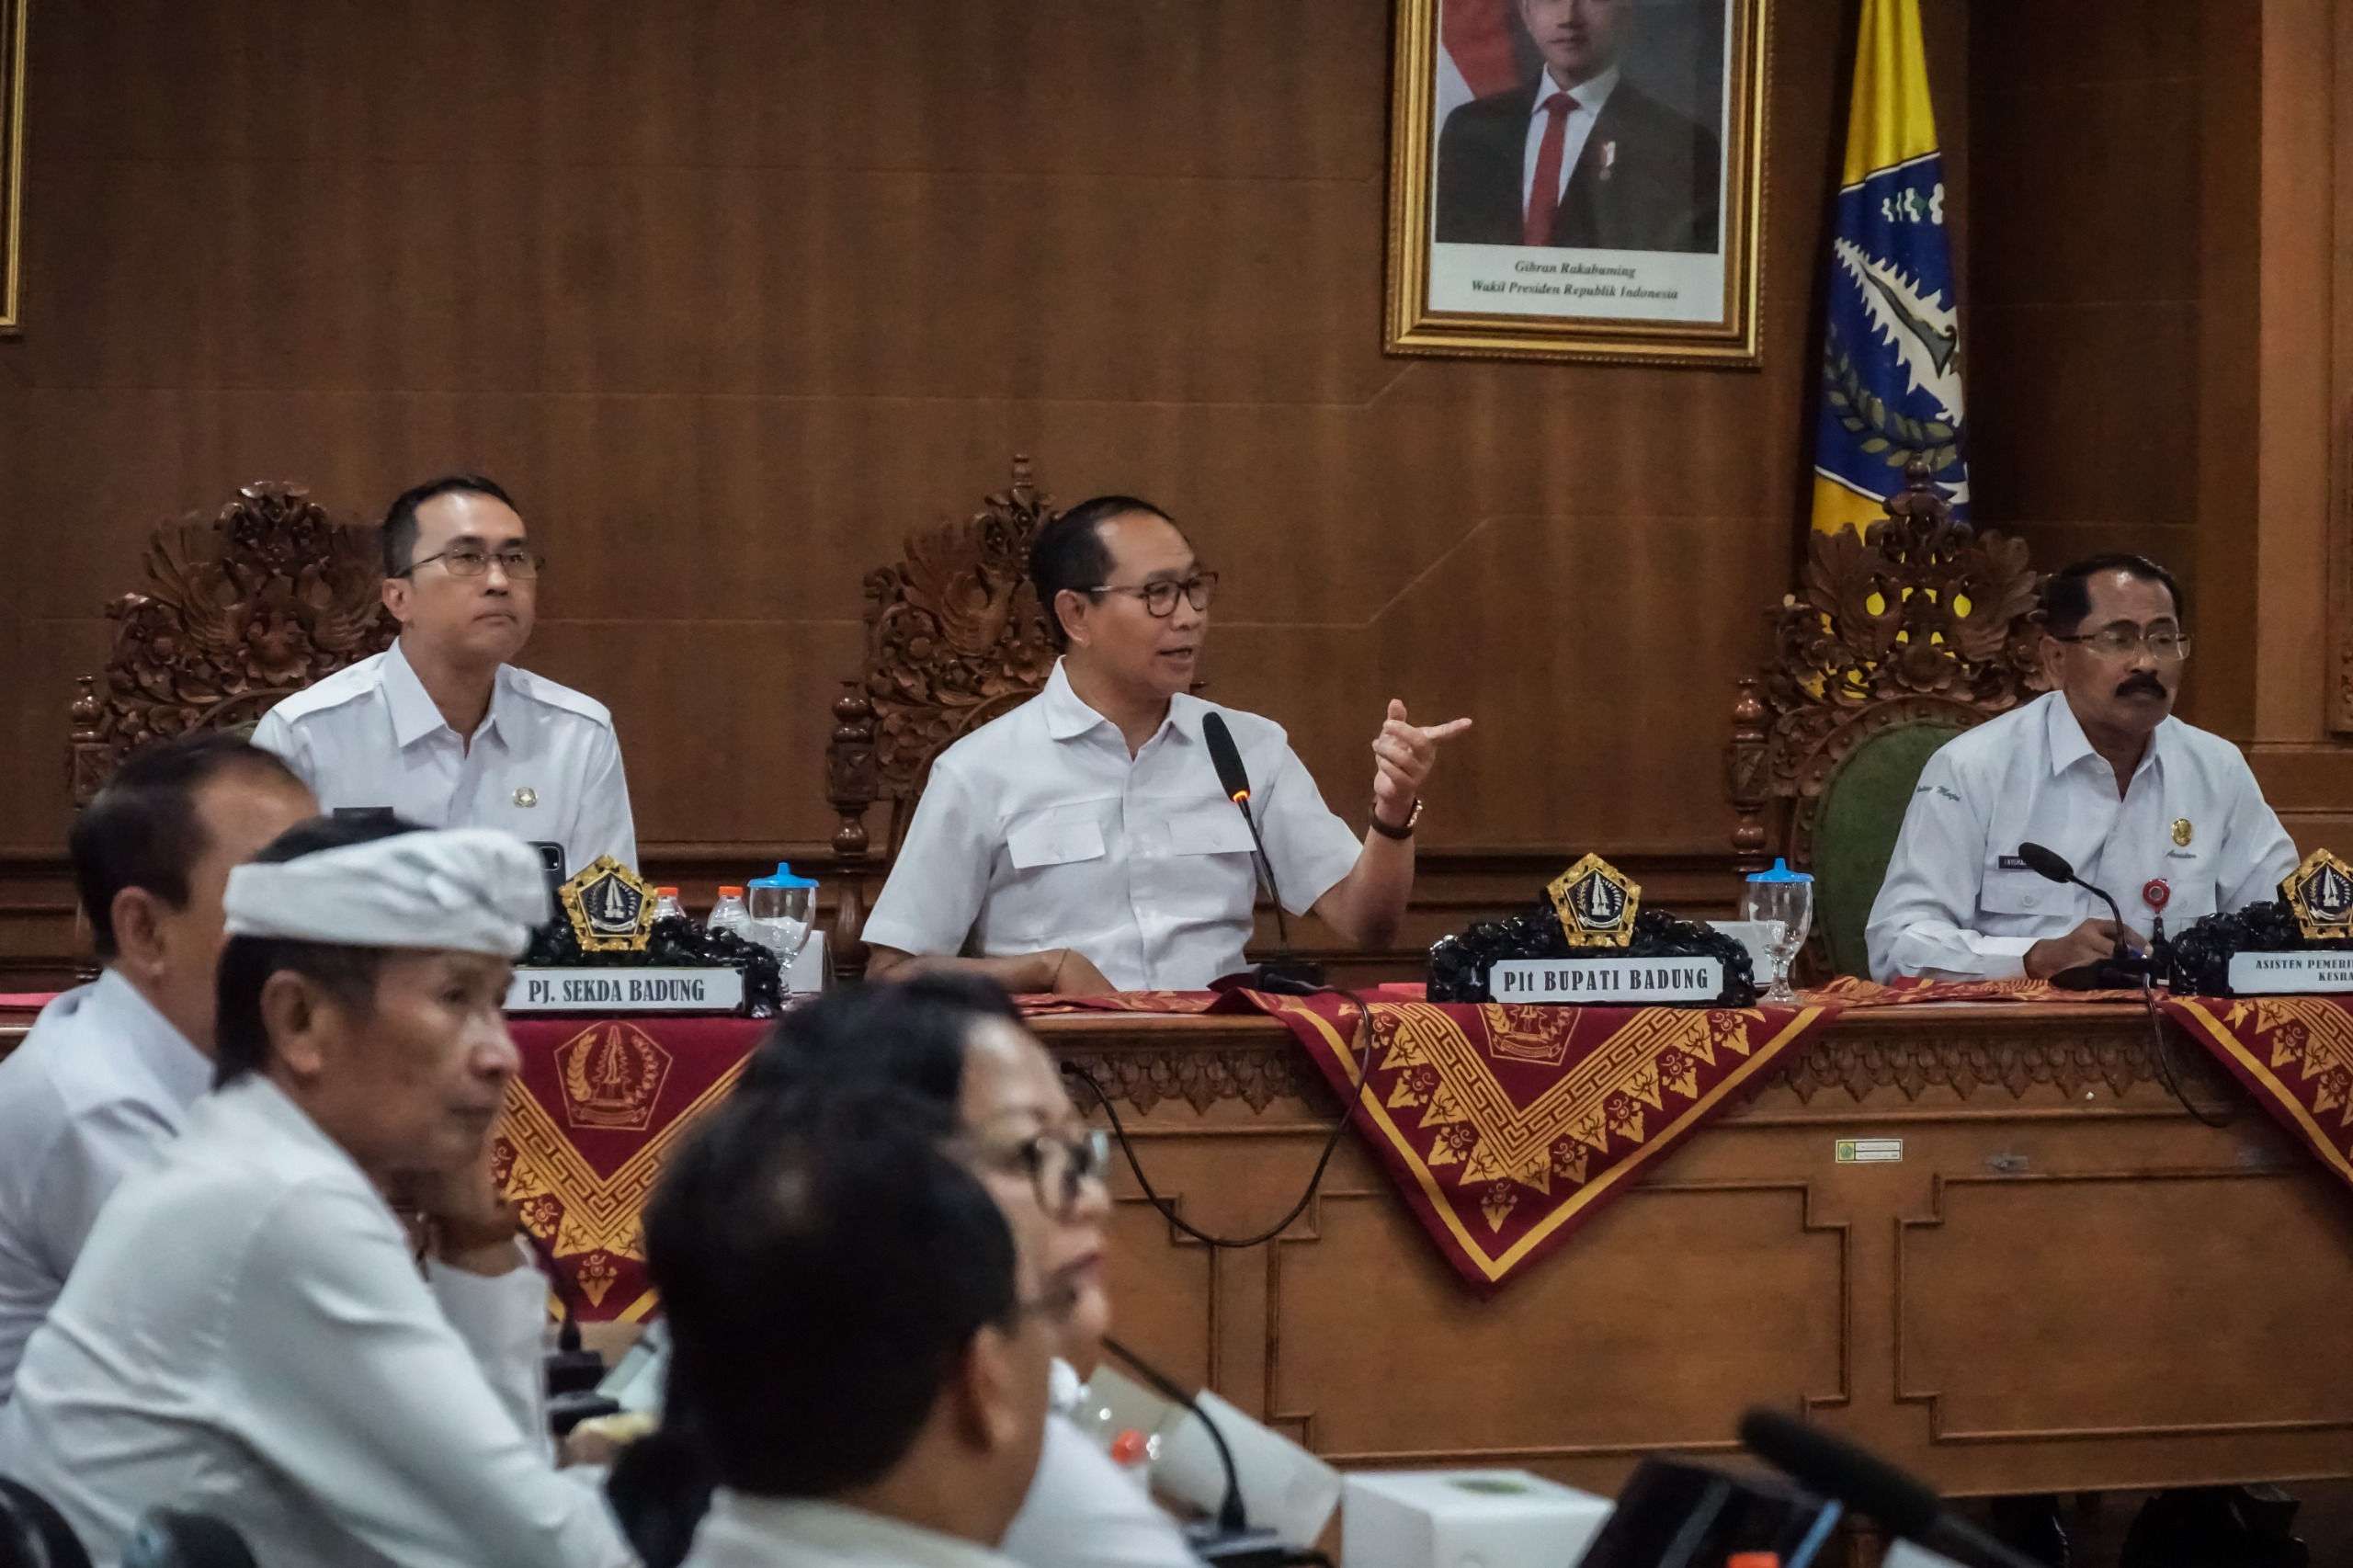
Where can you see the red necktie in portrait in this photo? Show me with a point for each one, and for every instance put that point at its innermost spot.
(1544, 192)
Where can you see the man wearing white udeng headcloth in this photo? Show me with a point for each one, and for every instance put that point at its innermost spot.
(247, 1333)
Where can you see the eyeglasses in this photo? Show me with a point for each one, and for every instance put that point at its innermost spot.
(1060, 1167)
(1160, 598)
(472, 560)
(2168, 644)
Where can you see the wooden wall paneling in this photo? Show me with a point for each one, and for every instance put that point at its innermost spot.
(735, 297)
(2084, 324)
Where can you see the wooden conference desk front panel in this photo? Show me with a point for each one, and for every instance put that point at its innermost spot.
(2065, 1283)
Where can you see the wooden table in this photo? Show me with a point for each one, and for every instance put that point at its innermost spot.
(2065, 1284)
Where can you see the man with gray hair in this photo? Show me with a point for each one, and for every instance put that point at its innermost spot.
(248, 1332)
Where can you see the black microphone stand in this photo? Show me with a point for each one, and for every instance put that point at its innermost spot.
(1229, 1542)
(2122, 970)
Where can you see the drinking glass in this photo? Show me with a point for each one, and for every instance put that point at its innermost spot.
(1788, 906)
(781, 918)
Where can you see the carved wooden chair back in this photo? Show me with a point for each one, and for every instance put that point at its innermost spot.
(955, 637)
(239, 610)
(1896, 639)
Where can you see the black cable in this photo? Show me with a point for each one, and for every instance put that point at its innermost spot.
(2164, 1060)
(1314, 1182)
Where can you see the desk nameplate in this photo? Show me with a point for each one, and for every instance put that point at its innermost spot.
(2291, 974)
(1611, 982)
(626, 990)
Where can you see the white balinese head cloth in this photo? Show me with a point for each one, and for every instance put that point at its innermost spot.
(472, 889)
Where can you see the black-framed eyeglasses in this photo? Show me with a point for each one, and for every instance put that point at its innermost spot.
(1061, 1166)
(2166, 644)
(472, 560)
(1160, 598)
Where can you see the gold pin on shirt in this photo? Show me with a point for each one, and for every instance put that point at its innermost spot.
(2182, 832)
(527, 796)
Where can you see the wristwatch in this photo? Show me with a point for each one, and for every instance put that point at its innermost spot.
(1386, 831)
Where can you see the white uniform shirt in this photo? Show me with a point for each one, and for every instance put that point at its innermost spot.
(1083, 1510)
(1039, 831)
(1958, 904)
(99, 1084)
(744, 1532)
(545, 764)
(246, 1335)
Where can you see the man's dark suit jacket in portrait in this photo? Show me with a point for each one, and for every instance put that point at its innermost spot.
(1659, 194)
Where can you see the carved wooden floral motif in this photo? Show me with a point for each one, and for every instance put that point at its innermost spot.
(1920, 618)
(238, 610)
(954, 638)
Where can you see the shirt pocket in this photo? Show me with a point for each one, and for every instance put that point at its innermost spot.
(1059, 836)
(2026, 894)
(1215, 828)
(2190, 896)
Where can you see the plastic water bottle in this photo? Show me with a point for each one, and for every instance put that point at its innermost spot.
(666, 903)
(728, 914)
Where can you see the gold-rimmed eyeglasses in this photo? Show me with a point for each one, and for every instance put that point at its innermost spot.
(1160, 598)
(472, 560)
(2166, 644)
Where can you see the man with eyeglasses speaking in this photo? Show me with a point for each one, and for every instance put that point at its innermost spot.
(1083, 841)
(439, 728)
(2167, 818)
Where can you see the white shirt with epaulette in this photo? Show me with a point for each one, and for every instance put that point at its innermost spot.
(545, 764)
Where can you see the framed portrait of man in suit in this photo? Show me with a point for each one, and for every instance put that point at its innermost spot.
(1577, 179)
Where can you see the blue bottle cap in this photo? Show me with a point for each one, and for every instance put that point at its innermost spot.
(1780, 873)
(783, 879)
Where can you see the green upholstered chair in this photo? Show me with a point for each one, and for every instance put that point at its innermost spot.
(240, 609)
(1896, 641)
(1854, 823)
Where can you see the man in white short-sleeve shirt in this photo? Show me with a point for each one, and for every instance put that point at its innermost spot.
(106, 1077)
(2168, 819)
(439, 728)
(1082, 843)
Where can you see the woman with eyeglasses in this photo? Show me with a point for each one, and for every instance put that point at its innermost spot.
(956, 1039)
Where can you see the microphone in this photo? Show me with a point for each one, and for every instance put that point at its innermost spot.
(572, 1371)
(2122, 970)
(1284, 974)
(1230, 1540)
(1870, 1486)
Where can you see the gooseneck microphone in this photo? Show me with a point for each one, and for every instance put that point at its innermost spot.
(1230, 1540)
(1870, 1486)
(1284, 973)
(2122, 969)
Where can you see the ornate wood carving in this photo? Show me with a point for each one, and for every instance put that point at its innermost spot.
(1964, 1064)
(1920, 618)
(239, 610)
(954, 638)
(1257, 1075)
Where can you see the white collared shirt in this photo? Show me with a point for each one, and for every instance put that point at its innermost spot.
(1958, 903)
(1039, 831)
(545, 764)
(97, 1087)
(246, 1335)
(1589, 97)
(744, 1531)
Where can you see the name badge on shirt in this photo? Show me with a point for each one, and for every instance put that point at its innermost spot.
(2012, 863)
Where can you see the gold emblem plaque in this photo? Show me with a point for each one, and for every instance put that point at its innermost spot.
(2321, 893)
(1596, 902)
(610, 907)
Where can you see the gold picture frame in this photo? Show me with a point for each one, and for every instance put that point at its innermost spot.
(1651, 294)
(13, 34)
